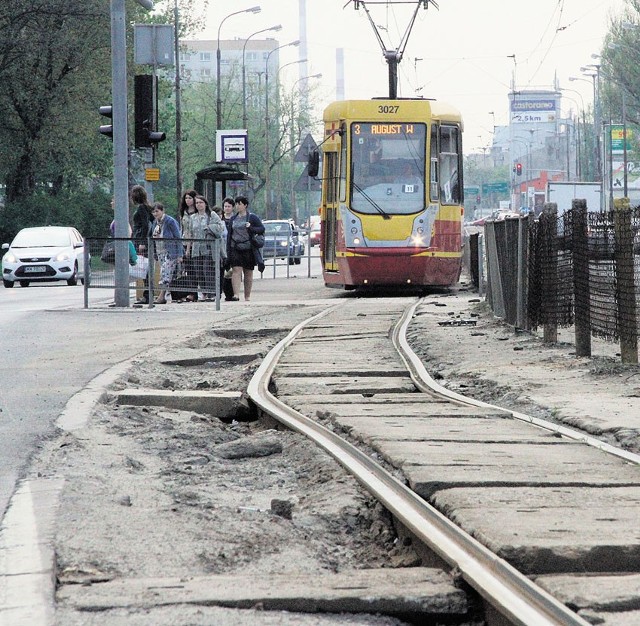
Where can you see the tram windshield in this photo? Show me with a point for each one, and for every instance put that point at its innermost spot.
(388, 167)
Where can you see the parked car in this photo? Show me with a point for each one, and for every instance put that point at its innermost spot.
(314, 235)
(282, 240)
(43, 254)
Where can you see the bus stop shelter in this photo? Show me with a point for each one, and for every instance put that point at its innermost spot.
(220, 177)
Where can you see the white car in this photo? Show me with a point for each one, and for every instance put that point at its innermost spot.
(43, 254)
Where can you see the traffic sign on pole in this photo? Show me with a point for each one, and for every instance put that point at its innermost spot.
(307, 146)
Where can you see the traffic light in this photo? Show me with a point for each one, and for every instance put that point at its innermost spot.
(107, 129)
(518, 169)
(146, 111)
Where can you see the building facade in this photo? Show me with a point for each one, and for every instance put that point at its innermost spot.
(198, 59)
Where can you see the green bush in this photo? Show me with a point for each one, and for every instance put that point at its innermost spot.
(90, 213)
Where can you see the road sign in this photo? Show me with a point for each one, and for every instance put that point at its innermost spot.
(307, 183)
(502, 187)
(307, 146)
(152, 174)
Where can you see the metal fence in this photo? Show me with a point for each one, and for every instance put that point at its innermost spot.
(194, 277)
(581, 268)
(197, 276)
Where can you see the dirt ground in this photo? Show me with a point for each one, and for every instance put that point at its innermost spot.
(468, 350)
(153, 492)
(156, 492)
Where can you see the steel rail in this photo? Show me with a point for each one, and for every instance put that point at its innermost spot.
(501, 585)
(425, 383)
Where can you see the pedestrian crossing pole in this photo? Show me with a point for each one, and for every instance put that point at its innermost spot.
(120, 146)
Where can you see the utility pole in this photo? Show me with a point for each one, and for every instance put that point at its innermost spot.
(179, 180)
(120, 146)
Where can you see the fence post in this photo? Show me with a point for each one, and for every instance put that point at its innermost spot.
(86, 272)
(625, 285)
(549, 266)
(480, 264)
(581, 283)
(151, 274)
(522, 321)
(217, 243)
(493, 266)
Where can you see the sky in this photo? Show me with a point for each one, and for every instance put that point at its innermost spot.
(461, 52)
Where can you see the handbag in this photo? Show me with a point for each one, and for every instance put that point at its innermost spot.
(257, 241)
(108, 251)
(140, 269)
(241, 245)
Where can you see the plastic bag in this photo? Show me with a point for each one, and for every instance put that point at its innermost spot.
(140, 269)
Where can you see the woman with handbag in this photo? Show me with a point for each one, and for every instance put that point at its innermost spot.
(168, 246)
(228, 211)
(185, 288)
(241, 249)
(205, 226)
(142, 220)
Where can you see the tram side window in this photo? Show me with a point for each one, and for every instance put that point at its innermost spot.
(434, 164)
(343, 166)
(449, 165)
(331, 175)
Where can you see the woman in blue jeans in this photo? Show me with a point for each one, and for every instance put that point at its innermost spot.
(168, 244)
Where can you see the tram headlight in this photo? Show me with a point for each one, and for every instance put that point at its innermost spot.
(356, 241)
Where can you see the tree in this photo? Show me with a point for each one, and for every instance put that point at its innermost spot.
(52, 64)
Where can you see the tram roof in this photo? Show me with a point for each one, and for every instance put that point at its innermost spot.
(356, 109)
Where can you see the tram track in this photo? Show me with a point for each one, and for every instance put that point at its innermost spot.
(333, 336)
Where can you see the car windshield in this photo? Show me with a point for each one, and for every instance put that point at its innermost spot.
(276, 228)
(42, 238)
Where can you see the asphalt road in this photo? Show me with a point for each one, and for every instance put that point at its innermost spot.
(51, 348)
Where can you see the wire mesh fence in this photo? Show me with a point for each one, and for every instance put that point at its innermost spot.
(181, 269)
(194, 277)
(580, 268)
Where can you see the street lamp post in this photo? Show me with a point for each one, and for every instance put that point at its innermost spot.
(576, 126)
(279, 171)
(255, 9)
(267, 166)
(244, 82)
(595, 129)
(593, 71)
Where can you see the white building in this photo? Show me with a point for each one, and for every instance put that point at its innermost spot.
(198, 59)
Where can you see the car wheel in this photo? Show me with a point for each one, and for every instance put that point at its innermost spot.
(86, 280)
(8, 283)
(73, 281)
(24, 283)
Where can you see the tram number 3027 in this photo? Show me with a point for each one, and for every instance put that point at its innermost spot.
(388, 108)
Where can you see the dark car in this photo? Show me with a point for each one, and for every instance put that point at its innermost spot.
(282, 240)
